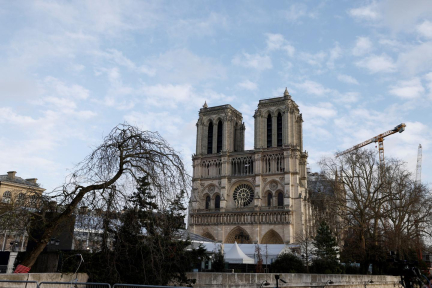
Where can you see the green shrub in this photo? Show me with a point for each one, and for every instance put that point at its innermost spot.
(287, 263)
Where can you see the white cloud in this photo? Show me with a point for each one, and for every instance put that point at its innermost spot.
(118, 58)
(347, 79)
(183, 66)
(363, 45)
(204, 26)
(409, 89)
(172, 96)
(59, 88)
(315, 117)
(428, 78)
(248, 85)
(169, 95)
(278, 42)
(377, 63)
(416, 59)
(349, 97)
(323, 110)
(313, 59)
(7, 115)
(368, 12)
(335, 53)
(425, 29)
(314, 88)
(295, 12)
(255, 61)
(404, 15)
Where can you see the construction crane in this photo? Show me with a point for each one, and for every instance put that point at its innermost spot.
(419, 160)
(380, 139)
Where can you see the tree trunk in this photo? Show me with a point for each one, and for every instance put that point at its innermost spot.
(31, 257)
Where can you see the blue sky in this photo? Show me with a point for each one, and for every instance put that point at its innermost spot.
(72, 70)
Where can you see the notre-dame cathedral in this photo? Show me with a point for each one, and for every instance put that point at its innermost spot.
(250, 196)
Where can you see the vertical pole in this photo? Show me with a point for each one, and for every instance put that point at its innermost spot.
(4, 241)
(381, 150)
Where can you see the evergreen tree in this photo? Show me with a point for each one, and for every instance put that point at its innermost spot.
(325, 243)
(326, 250)
(149, 242)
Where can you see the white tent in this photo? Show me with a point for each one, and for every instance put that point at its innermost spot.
(236, 255)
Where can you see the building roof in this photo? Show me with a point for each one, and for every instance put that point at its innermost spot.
(18, 180)
(193, 237)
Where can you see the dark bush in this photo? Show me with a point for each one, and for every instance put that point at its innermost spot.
(326, 266)
(287, 263)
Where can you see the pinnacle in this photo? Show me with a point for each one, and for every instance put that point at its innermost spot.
(286, 93)
(205, 104)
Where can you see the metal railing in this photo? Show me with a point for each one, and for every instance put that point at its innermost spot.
(18, 284)
(73, 284)
(147, 286)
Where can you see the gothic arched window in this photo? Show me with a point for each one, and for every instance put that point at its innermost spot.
(219, 137)
(269, 199)
(21, 198)
(217, 202)
(279, 130)
(210, 138)
(207, 202)
(280, 199)
(269, 130)
(7, 197)
(33, 200)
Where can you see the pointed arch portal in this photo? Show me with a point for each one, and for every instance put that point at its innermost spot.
(238, 235)
(209, 236)
(272, 237)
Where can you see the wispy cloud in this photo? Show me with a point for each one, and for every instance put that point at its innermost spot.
(255, 61)
(313, 88)
(362, 46)
(377, 64)
(278, 42)
(248, 85)
(368, 12)
(347, 79)
(409, 89)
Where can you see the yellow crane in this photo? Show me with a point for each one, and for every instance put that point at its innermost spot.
(380, 139)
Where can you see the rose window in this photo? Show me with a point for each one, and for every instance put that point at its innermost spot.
(243, 195)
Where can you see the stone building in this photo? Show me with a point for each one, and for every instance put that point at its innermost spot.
(250, 196)
(16, 194)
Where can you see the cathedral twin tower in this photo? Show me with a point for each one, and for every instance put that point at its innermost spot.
(252, 196)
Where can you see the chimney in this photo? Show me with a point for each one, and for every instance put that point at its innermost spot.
(52, 206)
(32, 180)
(11, 175)
(83, 210)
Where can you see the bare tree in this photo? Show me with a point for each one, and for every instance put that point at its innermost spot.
(376, 202)
(126, 154)
(306, 241)
(408, 211)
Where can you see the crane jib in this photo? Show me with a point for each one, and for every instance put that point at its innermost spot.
(379, 138)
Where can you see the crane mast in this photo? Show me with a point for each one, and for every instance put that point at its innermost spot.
(379, 138)
(419, 160)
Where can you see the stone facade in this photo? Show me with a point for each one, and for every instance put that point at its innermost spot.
(15, 193)
(253, 196)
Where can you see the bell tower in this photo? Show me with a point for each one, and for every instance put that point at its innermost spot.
(278, 123)
(219, 129)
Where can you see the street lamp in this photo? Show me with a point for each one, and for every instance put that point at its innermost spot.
(264, 283)
(277, 277)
